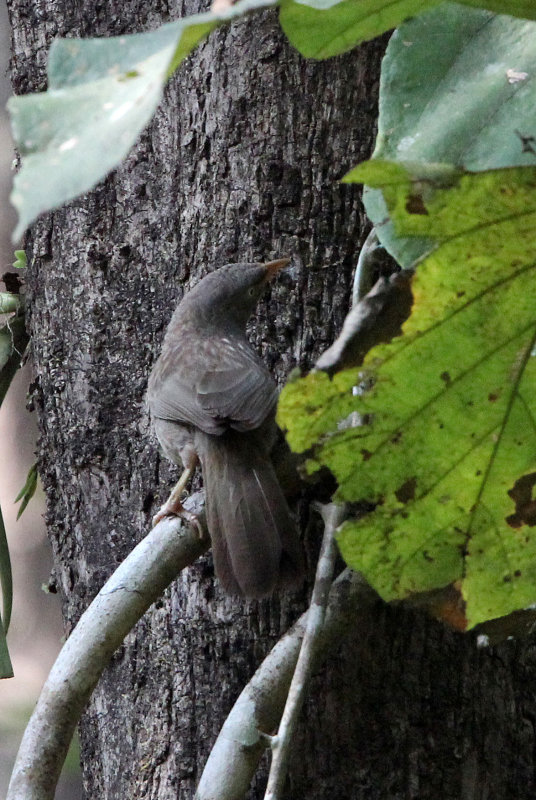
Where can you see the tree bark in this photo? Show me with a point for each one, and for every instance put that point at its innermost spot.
(240, 163)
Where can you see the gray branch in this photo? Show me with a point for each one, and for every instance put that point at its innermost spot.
(138, 581)
(246, 732)
(333, 515)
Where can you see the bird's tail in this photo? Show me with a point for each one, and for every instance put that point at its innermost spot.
(255, 542)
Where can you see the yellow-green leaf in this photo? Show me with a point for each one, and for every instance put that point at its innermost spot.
(449, 454)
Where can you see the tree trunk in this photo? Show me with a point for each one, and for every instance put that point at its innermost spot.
(240, 163)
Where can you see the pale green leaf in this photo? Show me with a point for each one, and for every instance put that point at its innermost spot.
(102, 93)
(457, 86)
(449, 456)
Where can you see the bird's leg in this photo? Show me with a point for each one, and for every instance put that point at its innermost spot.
(174, 506)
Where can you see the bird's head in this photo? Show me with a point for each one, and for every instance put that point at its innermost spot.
(230, 294)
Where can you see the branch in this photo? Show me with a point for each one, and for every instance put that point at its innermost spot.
(138, 581)
(243, 737)
(332, 515)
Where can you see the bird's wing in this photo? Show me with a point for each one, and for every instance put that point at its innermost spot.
(212, 388)
(238, 388)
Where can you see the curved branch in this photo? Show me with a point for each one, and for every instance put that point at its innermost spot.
(138, 581)
(256, 714)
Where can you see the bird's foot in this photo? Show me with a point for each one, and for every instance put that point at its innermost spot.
(176, 509)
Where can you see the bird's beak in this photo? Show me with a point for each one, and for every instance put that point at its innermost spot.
(273, 267)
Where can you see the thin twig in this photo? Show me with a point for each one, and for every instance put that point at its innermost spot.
(138, 581)
(333, 515)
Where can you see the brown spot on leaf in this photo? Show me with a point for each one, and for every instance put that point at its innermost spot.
(521, 494)
(366, 454)
(397, 437)
(407, 491)
(415, 205)
(492, 397)
(445, 377)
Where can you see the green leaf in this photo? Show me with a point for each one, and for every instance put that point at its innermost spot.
(102, 93)
(324, 28)
(28, 490)
(6, 578)
(449, 456)
(20, 260)
(478, 97)
(476, 109)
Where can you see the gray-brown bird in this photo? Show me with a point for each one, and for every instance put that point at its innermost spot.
(212, 400)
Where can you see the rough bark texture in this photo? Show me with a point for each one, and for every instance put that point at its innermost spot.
(240, 163)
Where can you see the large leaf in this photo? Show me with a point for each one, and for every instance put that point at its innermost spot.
(102, 93)
(472, 103)
(323, 28)
(449, 454)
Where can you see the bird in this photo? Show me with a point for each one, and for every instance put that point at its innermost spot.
(212, 401)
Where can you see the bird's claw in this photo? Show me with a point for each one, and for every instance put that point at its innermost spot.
(178, 510)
